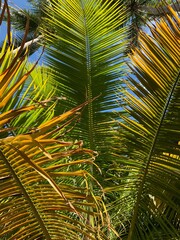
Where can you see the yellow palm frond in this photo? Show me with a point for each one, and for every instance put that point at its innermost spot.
(39, 192)
(150, 133)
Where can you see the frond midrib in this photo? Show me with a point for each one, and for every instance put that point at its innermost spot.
(89, 81)
(140, 191)
(27, 197)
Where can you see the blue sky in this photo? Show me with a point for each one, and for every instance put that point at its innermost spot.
(13, 3)
(19, 3)
(24, 5)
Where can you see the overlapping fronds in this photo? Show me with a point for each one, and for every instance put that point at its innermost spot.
(86, 44)
(150, 164)
(36, 87)
(39, 194)
(36, 198)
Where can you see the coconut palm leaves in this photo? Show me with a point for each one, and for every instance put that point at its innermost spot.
(85, 49)
(35, 194)
(150, 168)
(36, 88)
(44, 193)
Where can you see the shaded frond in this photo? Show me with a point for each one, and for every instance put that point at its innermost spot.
(150, 133)
(86, 44)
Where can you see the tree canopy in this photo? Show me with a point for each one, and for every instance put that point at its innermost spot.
(89, 142)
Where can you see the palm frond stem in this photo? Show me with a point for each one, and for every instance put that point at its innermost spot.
(133, 221)
(24, 192)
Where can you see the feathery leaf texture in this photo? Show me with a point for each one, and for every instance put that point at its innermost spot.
(150, 173)
(39, 193)
(86, 43)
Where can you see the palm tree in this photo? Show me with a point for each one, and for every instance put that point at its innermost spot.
(41, 195)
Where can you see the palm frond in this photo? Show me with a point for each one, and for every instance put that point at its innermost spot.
(39, 197)
(150, 133)
(36, 88)
(35, 198)
(86, 44)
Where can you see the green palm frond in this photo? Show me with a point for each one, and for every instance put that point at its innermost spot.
(39, 197)
(86, 45)
(36, 88)
(150, 134)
